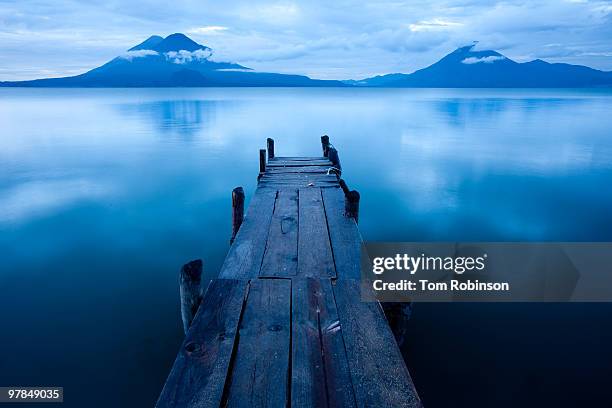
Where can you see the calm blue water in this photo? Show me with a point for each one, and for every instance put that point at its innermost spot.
(104, 194)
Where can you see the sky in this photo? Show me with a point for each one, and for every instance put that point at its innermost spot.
(342, 39)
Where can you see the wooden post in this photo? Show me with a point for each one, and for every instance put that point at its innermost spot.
(270, 148)
(237, 211)
(398, 316)
(334, 158)
(351, 206)
(262, 161)
(344, 186)
(325, 145)
(191, 291)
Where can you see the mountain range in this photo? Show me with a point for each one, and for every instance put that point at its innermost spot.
(179, 61)
(467, 67)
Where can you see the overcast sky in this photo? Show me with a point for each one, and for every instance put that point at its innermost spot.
(323, 39)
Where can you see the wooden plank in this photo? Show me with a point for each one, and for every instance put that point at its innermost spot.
(299, 164)
(298, 180)
(199, 372)
(344, 235)
(320, 375)
(280, 258)
(318, 175)
(377, 368)
(298, 170)
(244, 258)
(301, 183)
(260, 375)
(308, 388)
(314, 250)
(299, 177)
(298, 158)
(289, 184)
(302, 162)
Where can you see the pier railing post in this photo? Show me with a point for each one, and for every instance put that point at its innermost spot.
(190, 282)
(334, 158)
(398, 315)
(343, 186)
(351, 208)
(262, 161)
(351, 201)
(325, 145)
(270, 148)
(237, 211)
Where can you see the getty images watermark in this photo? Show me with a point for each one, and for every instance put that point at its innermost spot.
(413, 264)
(489, 271)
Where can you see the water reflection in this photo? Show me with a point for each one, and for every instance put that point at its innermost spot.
(182, 118)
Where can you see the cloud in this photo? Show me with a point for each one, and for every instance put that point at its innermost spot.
(130, 55)
(43, 198)
(183, 56)
(207, 30)
(487, 60)
(273, 14)
(435, 24)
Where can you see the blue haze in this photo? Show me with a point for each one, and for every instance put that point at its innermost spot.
(104, 193)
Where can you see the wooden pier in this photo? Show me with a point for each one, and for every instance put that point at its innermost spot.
(284, 324)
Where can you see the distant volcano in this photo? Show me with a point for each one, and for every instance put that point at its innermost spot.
(176, 60)
(467, 67)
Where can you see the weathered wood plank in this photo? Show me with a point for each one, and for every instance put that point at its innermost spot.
(308, 388)
(299, 158)
(377, 369)
(320, 374)
(314, 250)
(280, 185)
(300, 177)
(344, 235)
(246, 253)
(299, 164)
(280, 258)
(199, 372)
(260, 375)
(299, 161)
(298, 170)
(297, 182)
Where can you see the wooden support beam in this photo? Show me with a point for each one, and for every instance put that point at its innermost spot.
(270, 148)
(334, 158)
(325, 144)
(343, 186)
(352, 205)
(237, 211)
(191, 291)
(398, 315)
(262, 161)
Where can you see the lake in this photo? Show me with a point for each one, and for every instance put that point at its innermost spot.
(105, 193)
